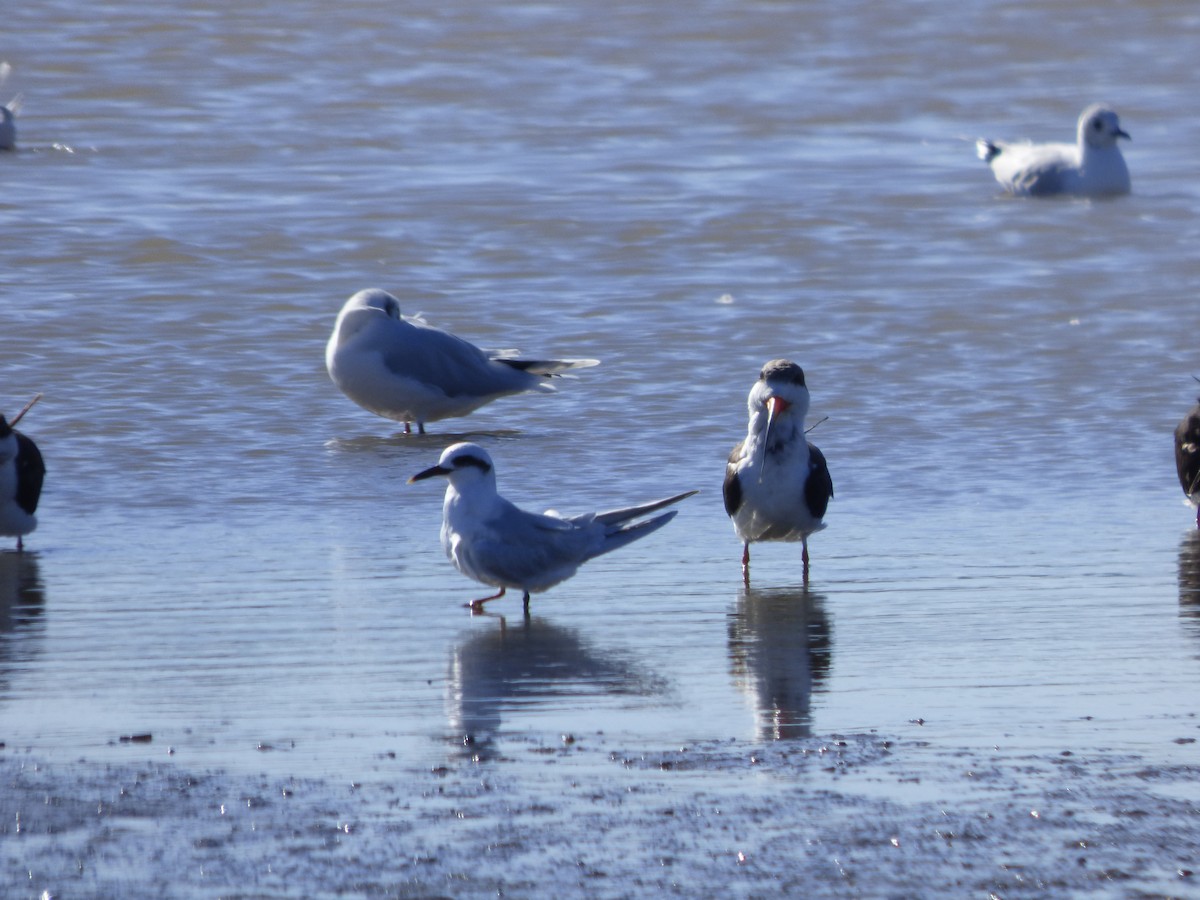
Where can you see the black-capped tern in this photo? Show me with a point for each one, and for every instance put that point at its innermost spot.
(498, 544)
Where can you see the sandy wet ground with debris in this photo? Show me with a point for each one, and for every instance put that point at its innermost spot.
(840, 816)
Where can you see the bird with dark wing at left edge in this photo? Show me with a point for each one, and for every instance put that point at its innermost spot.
(1187, 456)
(22, 473)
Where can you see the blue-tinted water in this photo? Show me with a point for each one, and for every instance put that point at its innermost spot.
(229, 557)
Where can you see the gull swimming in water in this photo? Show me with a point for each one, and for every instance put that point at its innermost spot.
(21, 475)
(401, 368)
(1187, 456)
(1091, 167)
(498, 544)
(777, 485)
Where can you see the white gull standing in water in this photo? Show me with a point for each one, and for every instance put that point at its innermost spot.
(401, 368)
(777, 485)
(1091, 167)
(498, 544)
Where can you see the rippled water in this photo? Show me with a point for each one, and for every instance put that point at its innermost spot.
(229, 558)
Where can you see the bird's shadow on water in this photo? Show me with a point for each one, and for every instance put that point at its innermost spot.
(508, 667)
(780, 650)
(436, 442)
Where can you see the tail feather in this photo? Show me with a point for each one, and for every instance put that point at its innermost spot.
(987, 150)
(627, 534)
(546, 366)
(617, 516)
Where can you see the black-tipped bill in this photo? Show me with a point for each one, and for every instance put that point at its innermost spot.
(431, 472)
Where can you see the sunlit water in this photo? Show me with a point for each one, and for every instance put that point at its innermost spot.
(229, 558)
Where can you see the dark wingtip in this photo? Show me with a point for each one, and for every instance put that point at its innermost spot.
(986, 150)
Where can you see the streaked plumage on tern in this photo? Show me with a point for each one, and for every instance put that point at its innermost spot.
(21, 475)
(498, 544)
(777, 485)
(1091, 167)
(1187, 456)
(401, 368)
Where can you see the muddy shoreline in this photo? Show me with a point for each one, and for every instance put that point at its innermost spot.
(839, 816)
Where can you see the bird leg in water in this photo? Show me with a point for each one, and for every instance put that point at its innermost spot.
(804, 557)
(477, 605)
(746, 563)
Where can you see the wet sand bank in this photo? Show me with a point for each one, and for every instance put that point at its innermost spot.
(841, 816)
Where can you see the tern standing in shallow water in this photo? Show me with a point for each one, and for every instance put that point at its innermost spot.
(21, 475)
(1091, 167)
(1187, 456)
(401, 368)
(496, 543)
(777, 485)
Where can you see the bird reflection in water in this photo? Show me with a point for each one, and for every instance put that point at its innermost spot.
(1189, 579)
(509, 668)
(779, 652)
(22, 599)
(21, 594)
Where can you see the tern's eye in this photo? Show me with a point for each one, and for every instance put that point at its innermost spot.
(1097, 125)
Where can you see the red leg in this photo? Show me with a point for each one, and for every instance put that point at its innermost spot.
(477, 605)
(407, 428)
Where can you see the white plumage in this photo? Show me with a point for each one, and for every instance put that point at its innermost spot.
(401, 368)
(498, 544)
(1091, 167)
(777, 485)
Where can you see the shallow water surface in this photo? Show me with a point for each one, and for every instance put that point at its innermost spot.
(230, 562)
